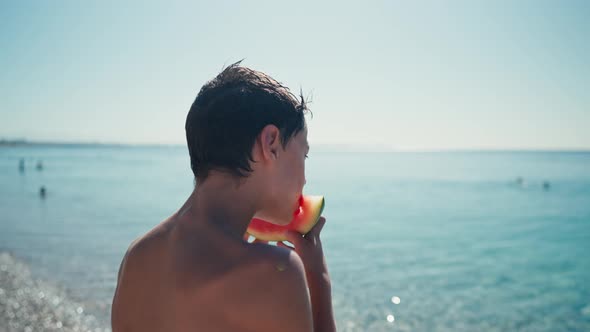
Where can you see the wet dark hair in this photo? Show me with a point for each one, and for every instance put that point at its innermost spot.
(229, 113)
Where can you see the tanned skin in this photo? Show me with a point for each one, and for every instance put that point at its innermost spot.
(195, 271)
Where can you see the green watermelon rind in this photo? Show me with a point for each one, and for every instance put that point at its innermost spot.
(316, 218)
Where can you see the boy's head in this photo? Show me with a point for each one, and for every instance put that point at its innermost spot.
(238, 111)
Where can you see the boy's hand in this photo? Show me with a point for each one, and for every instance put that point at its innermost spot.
(309, 248)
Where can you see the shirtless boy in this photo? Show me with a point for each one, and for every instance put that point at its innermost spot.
(196, 271)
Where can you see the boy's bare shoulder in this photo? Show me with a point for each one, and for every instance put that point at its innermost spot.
(142, 248)
(272, 290)
(276, 265)
(270, 255)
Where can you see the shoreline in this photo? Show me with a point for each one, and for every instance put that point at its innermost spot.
(30, 304)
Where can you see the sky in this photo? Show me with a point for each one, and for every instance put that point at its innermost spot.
(393, 75)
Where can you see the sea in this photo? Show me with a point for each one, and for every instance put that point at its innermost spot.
(414, 241)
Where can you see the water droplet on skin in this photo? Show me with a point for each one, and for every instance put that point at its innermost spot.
(390, 318)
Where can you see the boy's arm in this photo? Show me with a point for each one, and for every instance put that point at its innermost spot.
(321, 301)
(309, 248)
(115, 317)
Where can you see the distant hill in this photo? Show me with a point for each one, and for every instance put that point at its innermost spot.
(4, 142)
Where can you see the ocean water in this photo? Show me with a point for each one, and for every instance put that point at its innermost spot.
(439, 241)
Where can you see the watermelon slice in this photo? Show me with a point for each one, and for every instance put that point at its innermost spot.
(308, 214)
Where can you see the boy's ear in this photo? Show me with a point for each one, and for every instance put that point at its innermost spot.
(270, 142)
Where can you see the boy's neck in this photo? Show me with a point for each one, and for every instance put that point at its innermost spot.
(223, 204)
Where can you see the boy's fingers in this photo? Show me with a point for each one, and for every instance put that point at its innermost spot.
(315, 231)
(294, 238)
(246, 236)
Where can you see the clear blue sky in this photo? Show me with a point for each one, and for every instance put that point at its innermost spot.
(389, 74)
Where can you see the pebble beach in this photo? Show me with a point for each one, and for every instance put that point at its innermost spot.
(29, 304)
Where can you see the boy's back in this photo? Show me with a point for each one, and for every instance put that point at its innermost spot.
(169, 282)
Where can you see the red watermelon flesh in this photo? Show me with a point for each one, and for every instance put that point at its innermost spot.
(308, 214)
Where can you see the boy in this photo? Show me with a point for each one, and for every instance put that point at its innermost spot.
(196, 271)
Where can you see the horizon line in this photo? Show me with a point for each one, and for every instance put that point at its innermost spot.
(326, 147)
